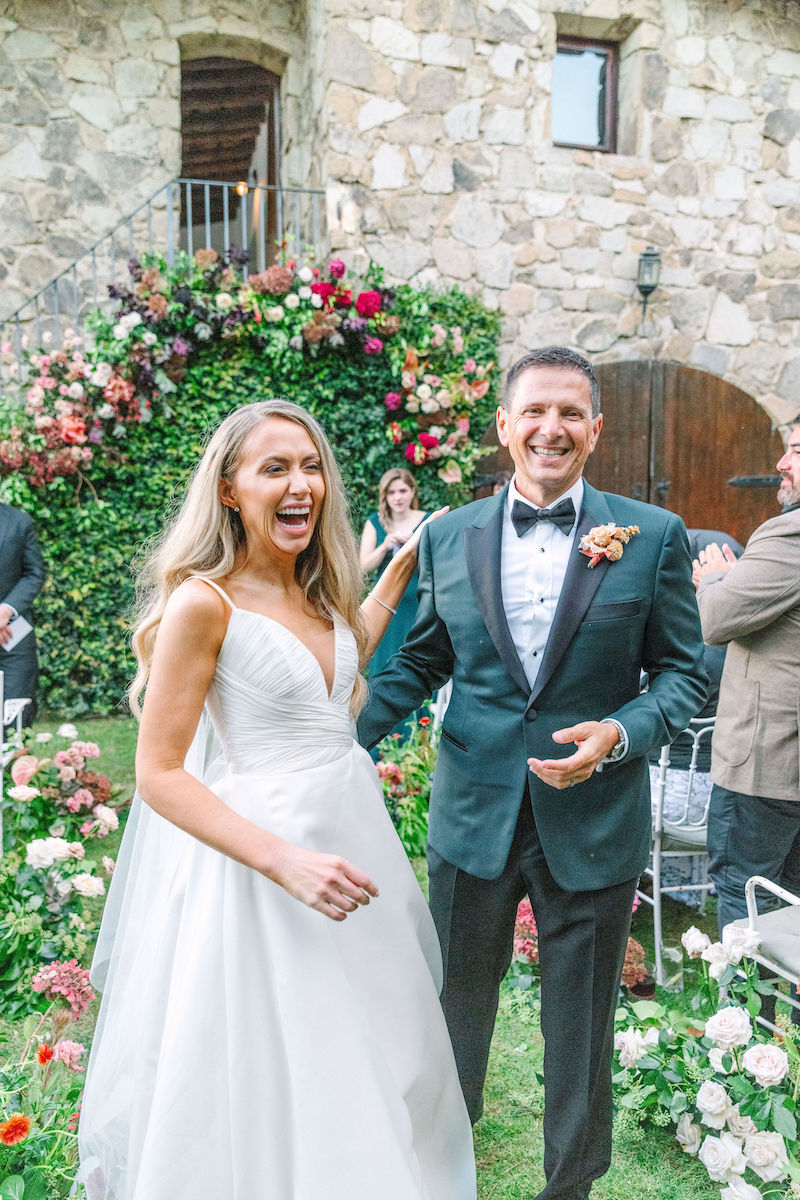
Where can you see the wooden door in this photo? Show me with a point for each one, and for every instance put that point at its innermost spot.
(683, 439)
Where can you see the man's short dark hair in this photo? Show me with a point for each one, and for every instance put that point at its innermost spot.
(552, 356)
(794, 421)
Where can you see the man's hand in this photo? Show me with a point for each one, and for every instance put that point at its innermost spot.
(595, 741)
(6, 613)
(712, 559)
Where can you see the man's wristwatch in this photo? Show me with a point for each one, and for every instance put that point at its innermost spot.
(621, 748)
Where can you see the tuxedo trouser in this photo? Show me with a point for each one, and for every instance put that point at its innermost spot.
(21, 676)
(582, 942)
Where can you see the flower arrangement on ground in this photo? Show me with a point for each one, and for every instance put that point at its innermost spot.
(57, 812)
(405, 768)
(40, 1090)
(729, 1088)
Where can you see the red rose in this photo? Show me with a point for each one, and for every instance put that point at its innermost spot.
(416, 453)
(325, 290)
(368, 304)
(343, 297)
(428, 440)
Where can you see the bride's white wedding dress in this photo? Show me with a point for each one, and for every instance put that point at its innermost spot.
(249, 1048)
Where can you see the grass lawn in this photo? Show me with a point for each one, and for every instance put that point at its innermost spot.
(647, 1164)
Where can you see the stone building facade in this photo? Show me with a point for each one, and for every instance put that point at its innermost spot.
(428, 124)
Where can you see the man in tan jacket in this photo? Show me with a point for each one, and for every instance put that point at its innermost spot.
(753, 606)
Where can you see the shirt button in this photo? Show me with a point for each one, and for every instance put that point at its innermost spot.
(541, 549)
(534, 653)
(541, 599)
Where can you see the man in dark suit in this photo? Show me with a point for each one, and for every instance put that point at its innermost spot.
(545, 650)
(22, 575)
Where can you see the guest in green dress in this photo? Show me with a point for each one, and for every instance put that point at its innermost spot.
(384, 533)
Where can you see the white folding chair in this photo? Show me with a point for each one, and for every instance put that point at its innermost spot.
(11, 712)
(680, 836)
(779, 931)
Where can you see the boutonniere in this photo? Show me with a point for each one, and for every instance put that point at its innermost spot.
(606, 541)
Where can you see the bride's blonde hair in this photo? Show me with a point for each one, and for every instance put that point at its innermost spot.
(204, 536)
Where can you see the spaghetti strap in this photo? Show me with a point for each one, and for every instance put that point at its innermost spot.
(216, 588)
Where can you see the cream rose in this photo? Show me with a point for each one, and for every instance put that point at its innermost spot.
(766, 1155)
(739, 1126)
(67, 731)
(768, 1063)
(22, 793)
(722, 1157)
(39, 854)
(630, 1044)
(60, 848)
(729, 1027)
(88, 885)
(292, 300)
(738, 942)
(688, 1134)
(737, 1189)
(714, 1103)
(695, 941)
(716, 956)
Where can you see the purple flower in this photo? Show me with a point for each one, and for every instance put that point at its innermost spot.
(96, 433)
(179, 346)
(373, 345)
(355, 324)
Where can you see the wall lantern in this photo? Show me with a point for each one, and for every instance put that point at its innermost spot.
(648, 275)
(241, 188)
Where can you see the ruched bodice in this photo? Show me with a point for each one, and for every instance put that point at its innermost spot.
(269, 702)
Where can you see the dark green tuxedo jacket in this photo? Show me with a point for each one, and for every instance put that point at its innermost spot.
(611, 622)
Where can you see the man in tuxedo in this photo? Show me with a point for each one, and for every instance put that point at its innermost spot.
(22, 575)
(753, 607)
(545, 652)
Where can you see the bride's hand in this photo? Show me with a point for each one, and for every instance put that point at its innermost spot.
(326, 882)
(409, 547)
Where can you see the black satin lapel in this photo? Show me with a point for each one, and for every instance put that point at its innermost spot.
(580, 584)
(482, 552)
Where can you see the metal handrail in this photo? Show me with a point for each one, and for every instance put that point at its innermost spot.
(76, 288)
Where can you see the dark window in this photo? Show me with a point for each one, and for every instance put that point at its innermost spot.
(584, 97)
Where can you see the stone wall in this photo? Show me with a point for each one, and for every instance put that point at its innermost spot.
(440, 164)
(428, 122)
(90, 112)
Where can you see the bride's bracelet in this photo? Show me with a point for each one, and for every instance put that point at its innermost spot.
(383, 604)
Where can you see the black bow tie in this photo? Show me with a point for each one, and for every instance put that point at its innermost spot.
(562, 515)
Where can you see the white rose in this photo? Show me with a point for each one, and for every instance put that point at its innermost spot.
(766, 1154)
(39, 854)
(305, 274)
(64, 887)
(714, 1103)
(106, 411)
(739, 942)
(75, 390)
(292, 300)
(119, 332)
(149, 338)
(740, 1127)
(336, 338)
(67, 731)
(768, 1063)
(41, 738)
(60, 848)
(715, 1057)
(131, 320)
(106, 816)
(101, 374)
(722, 1157)
(88, 885)
(223, 300)
(305, 293)
(695, 941)
(737, 1189)
(108, 865)
(424, 391)
(317, 302)
(202, 331)
(429, 406)
(274, 313)
(23, 793)
(729, 1027)
(717, 956)
(689, 1135)
(630, 1044)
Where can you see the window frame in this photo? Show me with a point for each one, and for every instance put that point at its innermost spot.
(611, 50)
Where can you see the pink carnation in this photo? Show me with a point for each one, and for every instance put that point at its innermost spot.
(373, 345)
(87, 749)
(69, 1053)
(393, 400)
(336, 268)
(83, 798)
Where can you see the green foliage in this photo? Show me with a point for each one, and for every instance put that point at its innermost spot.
(405, 768)
(91, 533)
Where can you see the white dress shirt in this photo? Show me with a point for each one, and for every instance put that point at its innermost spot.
(532, 570)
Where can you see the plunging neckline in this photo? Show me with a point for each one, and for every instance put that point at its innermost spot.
(251, 612)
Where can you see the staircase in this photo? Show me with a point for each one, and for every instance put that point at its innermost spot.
(184, 214)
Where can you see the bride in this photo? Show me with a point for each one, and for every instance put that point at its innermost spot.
(270, 1026)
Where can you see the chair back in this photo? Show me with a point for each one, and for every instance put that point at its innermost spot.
(698, 730)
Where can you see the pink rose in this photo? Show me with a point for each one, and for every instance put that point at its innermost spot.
(767, 1062)
(470, 365)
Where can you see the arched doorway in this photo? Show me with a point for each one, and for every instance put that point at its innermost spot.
(680, 438)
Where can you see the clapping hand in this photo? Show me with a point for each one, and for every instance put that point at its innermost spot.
(326, 882)
(712, 560)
